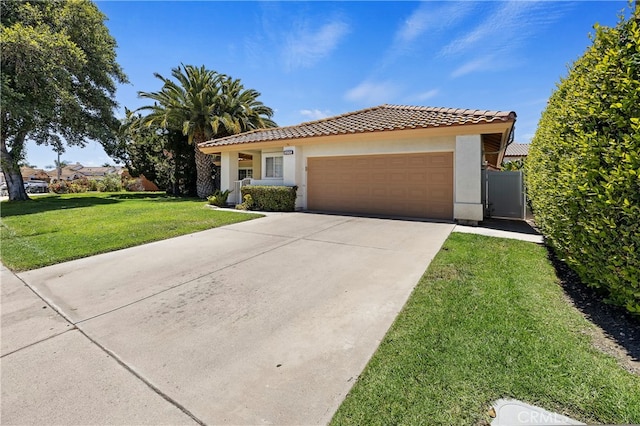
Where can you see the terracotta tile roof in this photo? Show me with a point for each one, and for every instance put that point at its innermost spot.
(377, 119)
(517, 150)
(77, 171)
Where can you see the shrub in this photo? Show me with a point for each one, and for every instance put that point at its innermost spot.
(110, 183)
(134, 185)
(76, 187)
(247, 203)
(583, 168)
(512, 165)
(59, 187)
(219, 198)
(271, 198)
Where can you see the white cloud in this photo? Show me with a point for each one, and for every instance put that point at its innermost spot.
(480, 64)
(305, 47)
(372, 92)
(283, 39)
(427, 95)
(424, 27)
(505, 28)
(315, 114)
(415, 25)
(499, 36)
(429, 18)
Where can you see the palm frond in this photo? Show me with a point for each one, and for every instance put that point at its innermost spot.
(204, 104)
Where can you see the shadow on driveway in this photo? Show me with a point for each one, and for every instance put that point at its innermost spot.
(519, 226)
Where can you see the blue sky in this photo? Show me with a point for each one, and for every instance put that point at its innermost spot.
(316, 59)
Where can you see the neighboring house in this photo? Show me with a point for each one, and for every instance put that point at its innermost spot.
(388, 160)
(72, 172)
(37, 177)
(29, 173)
(516, 151)
(78, 171)
(99, 172)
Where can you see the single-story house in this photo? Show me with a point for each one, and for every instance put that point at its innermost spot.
(410, 161)
(516, 151)
(75, 171)
(29, 173)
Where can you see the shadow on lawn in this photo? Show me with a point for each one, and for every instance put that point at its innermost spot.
(150, 196)
(616, 323)
(56, 202)
(45, 204)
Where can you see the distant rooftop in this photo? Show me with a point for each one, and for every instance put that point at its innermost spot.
(517, 150)
(377, 119)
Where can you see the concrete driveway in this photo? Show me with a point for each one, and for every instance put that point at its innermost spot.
(263, 322)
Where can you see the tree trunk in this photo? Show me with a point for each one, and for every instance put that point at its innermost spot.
(12, 175)
(204, 169)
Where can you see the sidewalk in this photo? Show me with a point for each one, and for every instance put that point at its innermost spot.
(503, 228)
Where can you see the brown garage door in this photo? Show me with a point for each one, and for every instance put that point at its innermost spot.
(415, 185)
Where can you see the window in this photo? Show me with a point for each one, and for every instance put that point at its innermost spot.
(273, 167)
(245, 173)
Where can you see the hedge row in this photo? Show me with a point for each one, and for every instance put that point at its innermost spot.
(583, 168)
(269, 198)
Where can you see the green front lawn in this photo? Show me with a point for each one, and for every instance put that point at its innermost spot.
(488, 321)
(54, 229)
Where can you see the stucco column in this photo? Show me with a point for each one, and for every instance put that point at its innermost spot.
(289, 165)
(228, 170)
(257, 165)
(292, 171)
(467, 206)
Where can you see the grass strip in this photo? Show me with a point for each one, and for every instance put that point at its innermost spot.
(488, 320)
(53, 229)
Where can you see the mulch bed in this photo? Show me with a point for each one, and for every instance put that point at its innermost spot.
(617, 332)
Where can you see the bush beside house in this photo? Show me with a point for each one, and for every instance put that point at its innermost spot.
(219, 198)
(269, 198)
(583, 168)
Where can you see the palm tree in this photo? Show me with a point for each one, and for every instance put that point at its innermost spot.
(204, 105)
(59, 166)
(240, 110)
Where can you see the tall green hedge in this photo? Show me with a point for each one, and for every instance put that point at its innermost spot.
(583, 168)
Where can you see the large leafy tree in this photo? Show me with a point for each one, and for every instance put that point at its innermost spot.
(59, 76)
(161, 155)
(204, 105)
